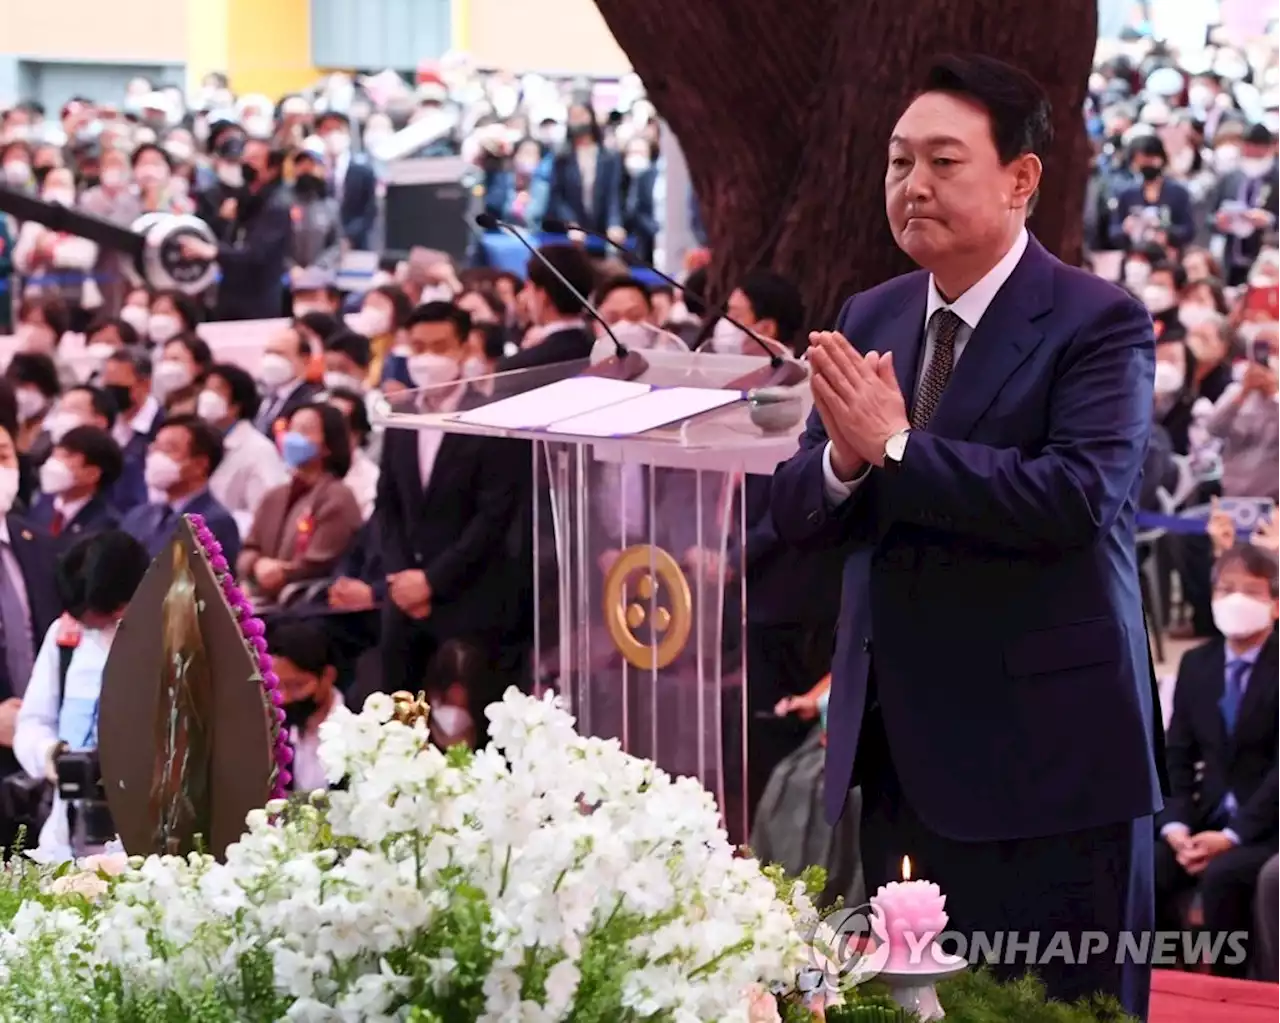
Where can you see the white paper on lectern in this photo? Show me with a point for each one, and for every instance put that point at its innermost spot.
(661, 406)
(542, 406)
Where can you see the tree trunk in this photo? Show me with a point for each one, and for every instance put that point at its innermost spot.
(784, 109)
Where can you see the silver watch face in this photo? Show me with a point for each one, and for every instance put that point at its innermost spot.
(896, 446)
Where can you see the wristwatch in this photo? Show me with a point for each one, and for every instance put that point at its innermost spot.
(895, 447)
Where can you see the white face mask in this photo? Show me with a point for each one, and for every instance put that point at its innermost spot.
(161, 472)
(211, 406)
(427, 369)
(342, 382)
(1169, 378)
(8, 488)
(1158, 299)
(100, 352)
(337, 143)
(169, 376)
(1226, 159)
(449, 722)
(162, 327)
(1200, 97)
(56, 477)
(1255, 166)
(137, 317)
(474, 366)
(276, 370)
(114, 177)
(17, 173)
(727, 339)
(60, 196)
(30, 403)
(1136, 274)
(637, 164)
(1238, 616)
(375, 322)
(1194, 315)
(58, 424)
(259, 126)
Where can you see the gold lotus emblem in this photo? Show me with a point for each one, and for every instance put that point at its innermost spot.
(648, 607)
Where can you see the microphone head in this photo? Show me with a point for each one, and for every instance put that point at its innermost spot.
(487, 220)
(554, 225)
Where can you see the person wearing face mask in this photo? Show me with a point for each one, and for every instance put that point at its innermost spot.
(445, 504)
(186, 451)
(126, 378)
(1160, 296)
(518, 189)
(300, 657)
(15, 166)
(1157, 210)
(1219, 823)
(251, 465)
(74, 482)
(303, 526)
(317, 219)
(1137, 265)
(255, 232)
(153, 172)
(457, 684)
(283, 372)
(639, 209)
(176, 377)
(346, 362)
(586, 180)
(381, 318)
(362, 478)
(314, 292)
(115, 199)
(1246, 419)
(35, 381)
(1201, 299)
(96, 579)
(352, 180)
(54, 262)
(1245, 205)
(555, 312)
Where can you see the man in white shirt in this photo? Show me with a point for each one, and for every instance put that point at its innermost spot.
(285, 362)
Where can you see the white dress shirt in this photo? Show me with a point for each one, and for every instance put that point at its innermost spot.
(69, 509)
(970, 308)
(587, 157)
(362, 481)
(429, 441)
(308, 772)
(250, 467)
(142, 422)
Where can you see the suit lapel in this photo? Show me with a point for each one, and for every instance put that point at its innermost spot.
(441, 466)
(1262, 683)
(906, 329)
(1005, 336)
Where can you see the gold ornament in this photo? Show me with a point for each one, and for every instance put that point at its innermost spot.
(646, 585)
(409, 708)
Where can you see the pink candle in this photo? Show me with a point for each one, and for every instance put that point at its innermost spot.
(912, 916)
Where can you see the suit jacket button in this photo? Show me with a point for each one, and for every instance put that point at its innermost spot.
(866, 644)
(417, 559)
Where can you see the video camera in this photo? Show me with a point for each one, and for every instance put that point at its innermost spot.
(89, 821)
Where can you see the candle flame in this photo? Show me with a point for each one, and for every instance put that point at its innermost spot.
(906, 868)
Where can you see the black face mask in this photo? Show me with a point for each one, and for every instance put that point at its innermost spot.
(309, 186)
(40, 173)
(1151, 171)
(578, 131)
(298, 713)
(121, 395)
(250, 174)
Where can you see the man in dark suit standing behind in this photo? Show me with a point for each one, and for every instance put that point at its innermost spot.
(557, 313)
(978, 444)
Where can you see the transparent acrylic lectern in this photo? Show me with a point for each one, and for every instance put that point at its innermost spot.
(637, 568)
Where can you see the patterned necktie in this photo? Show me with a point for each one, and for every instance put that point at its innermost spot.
(946, 325)
(56, 523)
(1233, 691)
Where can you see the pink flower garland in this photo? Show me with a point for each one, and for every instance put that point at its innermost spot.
(254, 635)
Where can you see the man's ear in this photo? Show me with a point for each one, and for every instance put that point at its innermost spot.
(1027, 171)
(329, 676)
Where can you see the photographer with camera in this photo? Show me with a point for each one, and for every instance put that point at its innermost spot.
(57, 732)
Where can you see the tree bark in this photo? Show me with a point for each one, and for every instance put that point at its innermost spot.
(784, 109)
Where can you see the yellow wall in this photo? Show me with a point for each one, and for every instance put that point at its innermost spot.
(208, 37)
(268, 45)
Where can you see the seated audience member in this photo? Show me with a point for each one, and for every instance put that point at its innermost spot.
(661, 298)
(362, 477)
(84, 405)
(1247, 421)
(251, 464)
(314, 290)
(384, 311)
(482, 305)
(624, 298)
(74, 482)
(361, 584)
(316, 328)
(283, 374)
(300, 657)
(346, 361)
(41, 323)
(303, 527)
(185, 453)
(1218, 832)
(127, 379)
(35, 381)
(177, 373)
(96, 580)
(455, 687)
(29, 603)
(770, 305)
(172, 313)
(446, 505)
(556, 312)
(103, 337)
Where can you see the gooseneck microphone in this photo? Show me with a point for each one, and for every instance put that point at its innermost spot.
(624, 364)
(782, 372)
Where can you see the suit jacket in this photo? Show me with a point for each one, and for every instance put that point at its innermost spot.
(312, 551)
(148, 524)
(269, 415)
(562, 346)
(992, 574)
(254, 260)
(457, 527)
(130, 489)
(1233, 186)
(639, 214)
(566, 198)
(95, 517)
(1243, 763)
(1174, 198)
(359, 203)
(37, 557)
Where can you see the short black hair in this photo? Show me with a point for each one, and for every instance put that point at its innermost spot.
(354, 346)
(136, 359)
(37, 369)
(103, 404)
(695, 287)
(1173, 269)
(301, 642)
(100, 573)
(1019, 109)
(57, 314)
(490, 298)
(187, 307)
(337, 438)
(495, 339)
(574, 265)
(774, 297)
(8, 409)
(203, 439)
(1148, 145)
(128, 336)
(617, 283)
(150, 147)
(322, 325)
(358, 421)
(197, 347)
(442, 312)
(243, 388)
(1254, 560)
(98, 448)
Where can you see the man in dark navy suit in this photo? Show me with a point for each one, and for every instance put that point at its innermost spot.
(126, 379)
(179, 464)
(352, 180)
(74, 482)
(557, 313)
(977, 442)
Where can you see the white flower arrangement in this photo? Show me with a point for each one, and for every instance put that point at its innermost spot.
(548, 877)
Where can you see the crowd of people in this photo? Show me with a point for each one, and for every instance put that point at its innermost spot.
(402, 560)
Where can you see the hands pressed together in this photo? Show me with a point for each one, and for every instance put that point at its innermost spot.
(410, 592)
(858, 399)
(1195, 852)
